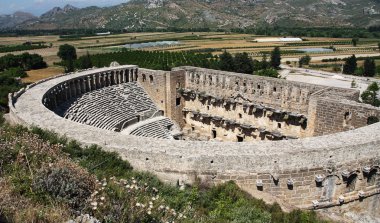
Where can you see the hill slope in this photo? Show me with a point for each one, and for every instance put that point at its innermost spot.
(213, 14)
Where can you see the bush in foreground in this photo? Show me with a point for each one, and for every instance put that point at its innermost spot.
(52, 180)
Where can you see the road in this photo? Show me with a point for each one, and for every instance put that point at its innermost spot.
(325, 78)
(319, 58)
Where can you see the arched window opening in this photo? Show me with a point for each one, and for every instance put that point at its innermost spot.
(151, 79)
(213, 134)
(347, 118)
(351, 183)
(373, 178)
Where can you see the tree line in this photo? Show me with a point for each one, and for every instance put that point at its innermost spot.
(24, 61)
(21, 47)
(367, 70)
(13, 67)
(240, 62)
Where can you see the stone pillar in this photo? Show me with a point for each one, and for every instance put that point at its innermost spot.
(136, 74)
(78, 86)
(102, 80)
(130, 79)
(64, 91)
(118, 75)
(126, 73)
(89, 83)
(94, 79)
(73, 89)
(115, 77)
(112, 78)
(67, 89)
(84, 85)
(108, 79)
(98, 79)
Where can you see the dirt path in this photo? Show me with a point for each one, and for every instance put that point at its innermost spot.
(319, 58)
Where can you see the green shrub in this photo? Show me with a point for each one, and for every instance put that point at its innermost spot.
(15, 72)
(69, 182)
(65, 181)
(271, 72)
(2, 120)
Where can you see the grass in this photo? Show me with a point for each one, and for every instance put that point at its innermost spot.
(121, 194)
(36, 75)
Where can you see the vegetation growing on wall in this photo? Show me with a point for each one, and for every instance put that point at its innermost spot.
(370, 96)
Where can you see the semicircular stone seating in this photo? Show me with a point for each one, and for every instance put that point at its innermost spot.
(159, 127)
(112, 108)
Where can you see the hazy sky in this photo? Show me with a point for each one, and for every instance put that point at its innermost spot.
(38, 7)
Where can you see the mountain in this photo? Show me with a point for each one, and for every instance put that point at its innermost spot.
(212, 14)
(58, 11)
(9, 21)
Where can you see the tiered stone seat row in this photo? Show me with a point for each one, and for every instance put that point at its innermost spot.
(110, 108)
(157, 129)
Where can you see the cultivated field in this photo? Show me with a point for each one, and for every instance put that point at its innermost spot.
(211, 42)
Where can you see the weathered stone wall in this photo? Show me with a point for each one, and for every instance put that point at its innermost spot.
(313, 172)
(337, 115)
(234, 122)
(276, 93)
(286, 109)
(175, 103)
(163, 89)
(154, 83)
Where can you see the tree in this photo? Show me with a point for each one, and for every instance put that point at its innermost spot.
(67, 52)
(264, 62)
(350, 65)
(243, 63)
(69, 66)
(355, 41)
(275, 58)
(369, 67)
(270, 72)
(85, 61)
(305, 60)
(15, 72)
(226, 62)
(369, 96)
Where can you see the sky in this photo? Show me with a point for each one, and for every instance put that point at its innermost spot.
(37, 7)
